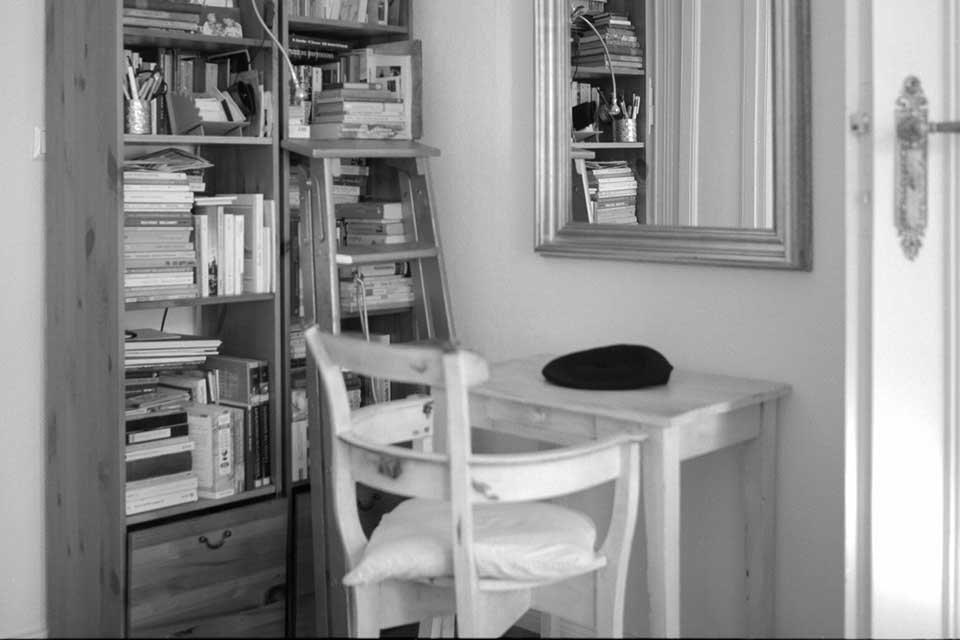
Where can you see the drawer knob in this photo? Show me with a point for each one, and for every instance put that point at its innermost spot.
(215, 545)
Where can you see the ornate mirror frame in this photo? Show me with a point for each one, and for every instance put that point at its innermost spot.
(786, 246)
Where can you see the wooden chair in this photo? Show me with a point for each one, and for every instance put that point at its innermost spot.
(469, 488)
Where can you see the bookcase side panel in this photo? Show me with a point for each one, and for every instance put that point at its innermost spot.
(85, 476)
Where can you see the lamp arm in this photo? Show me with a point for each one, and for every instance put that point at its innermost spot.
(614, 108)
(300, 95)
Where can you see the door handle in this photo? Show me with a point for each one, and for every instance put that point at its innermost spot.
(913, 129)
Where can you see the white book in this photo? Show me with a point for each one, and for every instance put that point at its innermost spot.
(159, 485)
(201, 230)
(181, 496)
(213, 457)
(250, 206)
(152, 449)
(238, 253)
(227, 263)
(270, 245)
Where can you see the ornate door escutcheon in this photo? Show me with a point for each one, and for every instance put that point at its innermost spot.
(913, 127)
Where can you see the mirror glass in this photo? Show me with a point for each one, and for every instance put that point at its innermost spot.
(714, 167)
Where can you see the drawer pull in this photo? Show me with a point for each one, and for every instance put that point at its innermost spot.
(215, 545)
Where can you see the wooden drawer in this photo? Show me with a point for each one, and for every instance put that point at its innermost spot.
(221, 574)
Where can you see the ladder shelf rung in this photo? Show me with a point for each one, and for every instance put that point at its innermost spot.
(358, 148)
(370, 254)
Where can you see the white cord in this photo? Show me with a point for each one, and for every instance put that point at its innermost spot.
(301, 94)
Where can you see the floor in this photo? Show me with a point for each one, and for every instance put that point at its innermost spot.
(410, 631)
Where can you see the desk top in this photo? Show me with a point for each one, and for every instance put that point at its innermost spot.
(689, 395)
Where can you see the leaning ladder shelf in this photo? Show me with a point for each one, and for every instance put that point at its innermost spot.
(321, 257)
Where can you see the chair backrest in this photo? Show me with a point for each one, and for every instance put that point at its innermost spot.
(364, 445)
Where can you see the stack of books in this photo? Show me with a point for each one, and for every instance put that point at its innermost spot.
(380, 286)
(370, 222)
(351, 183)
(160, 260)
(159, 461)
(613, 190)
(619, 34)
(185, 17)
(358, 110)
(153, 349)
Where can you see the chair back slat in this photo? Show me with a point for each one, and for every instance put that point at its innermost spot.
(540, 476)
(403, 363)
(399, 471)
(395, 421)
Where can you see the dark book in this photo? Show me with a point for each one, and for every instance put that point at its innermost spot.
(301, 41)
(159, 465)
(156, 420)
(240, 378)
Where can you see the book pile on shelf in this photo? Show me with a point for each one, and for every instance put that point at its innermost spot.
(381, 285)
(210, 17)
(160, 260)
(197, 421)
(383, 12)
(184, 18)
(618, 32)
(158, 455)
(351, 182)
(235, 237)
(374, 222)
(613, 190)
(366, 110)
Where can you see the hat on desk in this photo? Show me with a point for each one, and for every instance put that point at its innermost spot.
(614, 367)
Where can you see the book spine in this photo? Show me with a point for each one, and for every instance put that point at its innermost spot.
(156, 420)
(249, 451)
(160, 433)
(159, 502)
(263, 410)
(159, 465)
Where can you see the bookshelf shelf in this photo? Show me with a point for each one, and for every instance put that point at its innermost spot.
(608, 145)
(201, 302)
(385, 253)
(359, 148)
(201, 505)
(344, 29)
(148, 37)
(246, 141)
(602, 73)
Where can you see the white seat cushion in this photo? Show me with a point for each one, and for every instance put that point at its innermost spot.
(530, 541)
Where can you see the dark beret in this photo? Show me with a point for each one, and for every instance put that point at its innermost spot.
(614, 367)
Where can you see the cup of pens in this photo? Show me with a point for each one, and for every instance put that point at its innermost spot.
(138, 91)
(625, 124)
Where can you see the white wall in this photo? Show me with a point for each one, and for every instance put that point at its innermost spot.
(22, 595)
(508, 301)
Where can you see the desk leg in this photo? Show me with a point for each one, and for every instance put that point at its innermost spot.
(759, 487)
(661, 507)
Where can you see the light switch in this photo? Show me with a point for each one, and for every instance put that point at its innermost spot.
(39, 142)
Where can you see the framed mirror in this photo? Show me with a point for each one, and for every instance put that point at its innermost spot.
(720, 163)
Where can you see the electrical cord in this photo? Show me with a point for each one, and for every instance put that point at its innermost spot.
(613, 108)
(301, 94)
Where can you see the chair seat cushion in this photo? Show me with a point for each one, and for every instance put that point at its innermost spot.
(534, 542)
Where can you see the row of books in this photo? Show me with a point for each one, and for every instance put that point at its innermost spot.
(236, 236)
(384, 12)
(613, 191)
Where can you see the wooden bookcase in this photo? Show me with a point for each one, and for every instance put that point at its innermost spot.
(168, 571)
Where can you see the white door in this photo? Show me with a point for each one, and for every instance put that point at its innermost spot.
(901, 323)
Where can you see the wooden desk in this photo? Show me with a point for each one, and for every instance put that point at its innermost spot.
(693, 415)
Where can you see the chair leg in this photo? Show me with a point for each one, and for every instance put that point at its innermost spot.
(364, 605)
(439, 627)
(608, 607)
